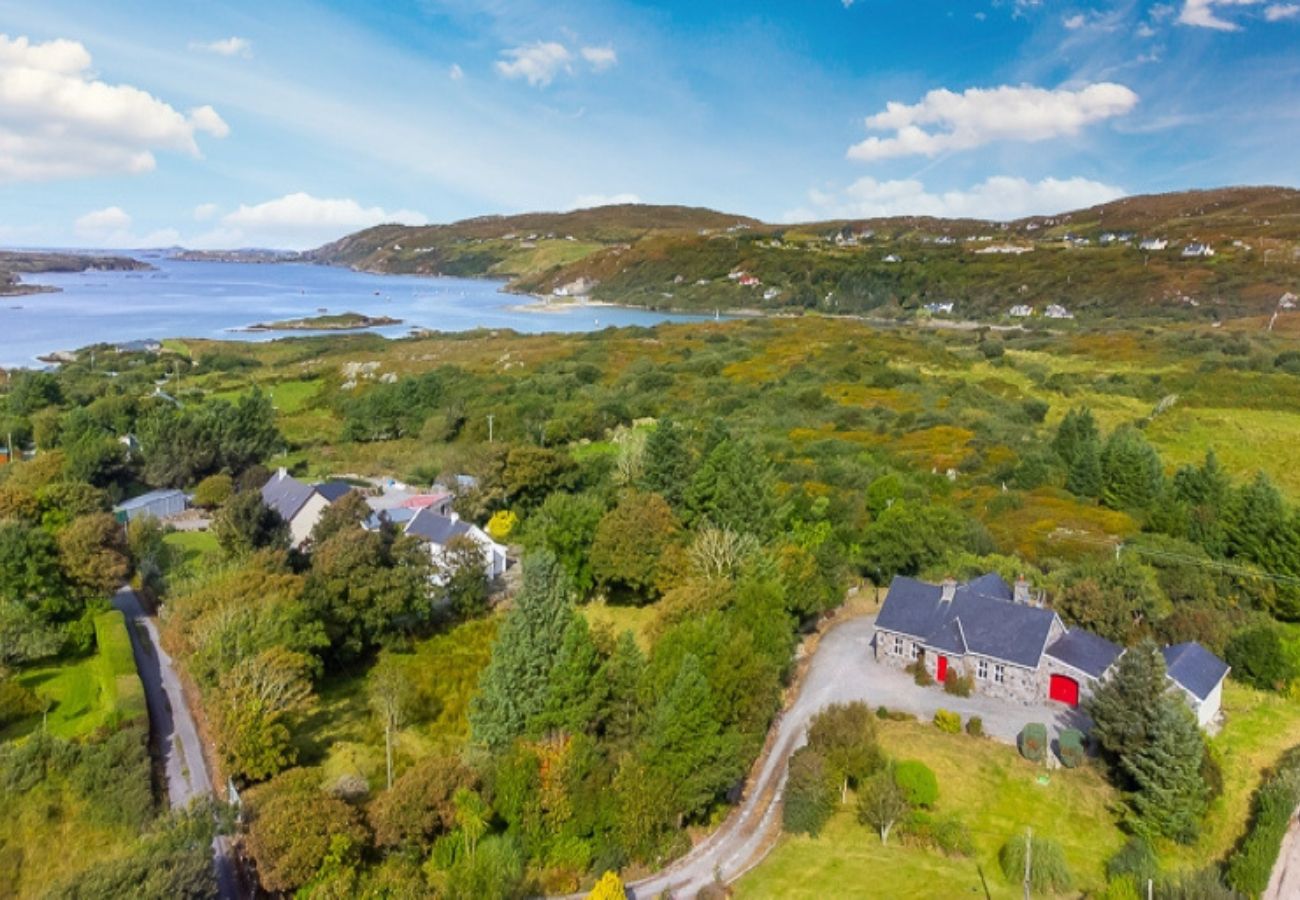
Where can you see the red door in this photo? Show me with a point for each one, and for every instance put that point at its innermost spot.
(941, 668)
(1064, 689)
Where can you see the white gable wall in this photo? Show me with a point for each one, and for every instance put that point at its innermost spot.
(301, 525)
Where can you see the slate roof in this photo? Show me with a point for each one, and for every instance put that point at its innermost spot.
(435, 528)
(1194, 668)
(398, 515)
(1085, 651)
(990, 624)
(333, 491)
(286, 494)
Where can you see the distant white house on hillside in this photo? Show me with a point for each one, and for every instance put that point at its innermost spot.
(1021, 311)
(940, 308)
(1153, 244)
(1198, 250)
(1057, 311)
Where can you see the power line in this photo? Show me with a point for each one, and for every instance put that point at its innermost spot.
(1219, 565)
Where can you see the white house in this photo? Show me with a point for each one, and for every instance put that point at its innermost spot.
(1198, 675)
(1021, 311)
(1057, 311)
(437, 531)
(1154, 244)
(301, 505)
(1198, 250)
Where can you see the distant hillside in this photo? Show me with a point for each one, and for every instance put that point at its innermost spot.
(1090, 262)
(14, 263)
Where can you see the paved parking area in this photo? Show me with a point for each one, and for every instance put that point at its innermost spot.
(850, 653)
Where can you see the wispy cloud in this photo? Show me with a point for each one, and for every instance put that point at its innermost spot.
(111, 227)
(1280, 12)
(456, 73)
(1001, 197)
(1202, 13)
(536, 63)
(231, 46)
(59, 121)
(600, 58)
(300, 221)
(979, 116)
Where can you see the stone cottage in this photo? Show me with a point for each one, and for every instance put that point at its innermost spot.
(1014, 648)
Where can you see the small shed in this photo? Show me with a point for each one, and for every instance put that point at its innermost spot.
(159, 504)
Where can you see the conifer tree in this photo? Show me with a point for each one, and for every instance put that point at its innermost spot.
(1169, 795)
(1124, 707)
(1078, 444)
(667, 466)
(515, 684)
(618, 683)
(1131, 472)
(572, 697)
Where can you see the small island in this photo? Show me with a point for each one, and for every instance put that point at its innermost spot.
(15, 263)
(348, 321)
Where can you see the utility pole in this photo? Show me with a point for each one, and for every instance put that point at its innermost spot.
(490, 418)
(1029, 857)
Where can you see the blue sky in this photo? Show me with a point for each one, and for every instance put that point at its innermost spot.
(287, 123)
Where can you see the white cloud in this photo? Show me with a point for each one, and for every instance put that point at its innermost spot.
(1281, 11)
(587, 201)
(537, 63)
(1075, 22)
(455, 73)
(299, 222)
(1201, 13)
(205, 212)
(1000, 197)
(111, 227)
(600, 58)
(981, 115)
(231, 46)
(58, 121)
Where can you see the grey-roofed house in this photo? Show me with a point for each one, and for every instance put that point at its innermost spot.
(438, 530)
(1199, 674)
(1015, 648)
(159, 504)
(301, 504)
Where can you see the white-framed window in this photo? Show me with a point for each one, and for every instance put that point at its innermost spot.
(982, 669)
(898, 646)
(916, 650)
(999, 674)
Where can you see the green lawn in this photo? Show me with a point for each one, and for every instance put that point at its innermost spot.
(343, 736)
(618, 619)
(195, 549)
(85, 693)
(986, 784)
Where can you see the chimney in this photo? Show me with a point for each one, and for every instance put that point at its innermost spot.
(1021, 595)
(949, 590)
(281, 473)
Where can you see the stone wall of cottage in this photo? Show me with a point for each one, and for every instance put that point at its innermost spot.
(1018, 684)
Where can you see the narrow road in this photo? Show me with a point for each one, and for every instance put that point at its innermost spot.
(1285, 881)
(176, 740)
(834, 676)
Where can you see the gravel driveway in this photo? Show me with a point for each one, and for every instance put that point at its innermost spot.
(842, 670)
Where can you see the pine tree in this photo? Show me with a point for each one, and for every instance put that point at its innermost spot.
(515, 684)
(1169, 794)
(573, 696)
(1124, 707)
(684, 743)
(733, 489)
(618, 683)
(667, 466)
(1132, 476)
(1204, 491)
(1078, 444)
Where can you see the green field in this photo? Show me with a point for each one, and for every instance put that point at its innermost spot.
(985, 784)
(86, 693)
(195, 551)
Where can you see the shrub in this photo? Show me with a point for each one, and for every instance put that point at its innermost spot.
(975, 726)
(16, 701)
(1047, 868)
(213, 491)
(947, 721)
(1070, 748)
(1135, 860)
(917, 782)
(1250, 865)
(919, 673)
(810, 793)
(501, 524)
(1033, 741)
(948, 835)
(882, 712)
(1204, 884)
(959, 685)
(1259, 658)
